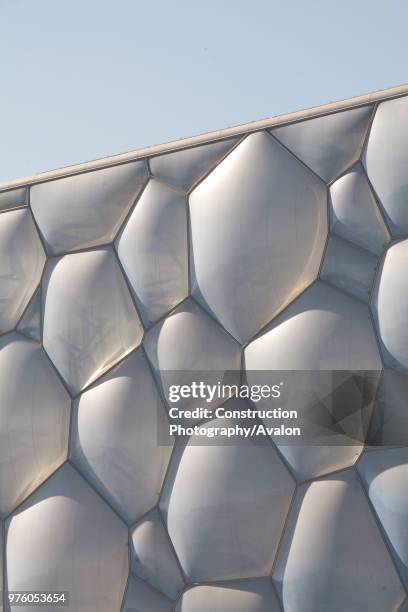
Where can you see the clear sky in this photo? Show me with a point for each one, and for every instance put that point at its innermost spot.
(81, 79)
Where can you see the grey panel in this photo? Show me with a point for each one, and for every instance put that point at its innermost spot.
(65, 538)
(13, 198)
(153, 557)
(333, 557)
(246, 596)
(184, 168)
(328, 144)
(114, 437)
(386, 159)
(153, 250)
(22, 261)
(386, 477)
(188, 345)
(257, 237)
(34, 419)
(86, 209)
(349, 268)
(30, 324)
(324, 329)
(90, 321)
(354, 212)
(141, 597)
(390, 303)
(219, 535)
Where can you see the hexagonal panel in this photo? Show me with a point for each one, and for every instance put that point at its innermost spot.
(390, 306)
(386, 159)
(115, 437)
(386, 477)
(389, 424)
(257, 238)
(34, 419)
(22, 261)
(189, 346)
(184, 168)
(86, 210)
(242, 596)
(354, 212)
(327, 144)
(153, 558)
(332, 556)
(65, 538)
(90, 321)
(153, 250)
(225, 507)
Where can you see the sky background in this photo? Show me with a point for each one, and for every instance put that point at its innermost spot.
(82, 79)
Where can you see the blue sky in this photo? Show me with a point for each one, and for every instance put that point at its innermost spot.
(82, 79)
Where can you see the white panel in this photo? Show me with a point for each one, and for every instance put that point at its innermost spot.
(329, 144)
(34, 419)
(64, 538)
(189, 346)
(349, 268)
(390, 306)
(114, 437)
(354, 212)
(153, 557)
(86, 209)
(141, 597)
(153, 250)
(247, 596)
(386, 160)
(22, 260)
(333, 557)
(217, 503)
(258, 226)
(90, 321)
(389, 425)
(324, 329)
(184, 168)
(386, 477)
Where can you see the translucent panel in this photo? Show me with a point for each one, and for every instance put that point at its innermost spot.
(153, 556)
(349, 268)
(22, 260)
(189, 346)
(389, 425)
(324, 329)
(390, 306)
(141, 597)
(329, 144)
(86, 209)
(186, 167)
(386, 159)
(333, 412)
(30, 324)
(258, 226)
(247, 596)
(217, 503)
(386, 476)
(354, 212)
(153, 250)
(13, 198)
(114, 437)
(65, 538)
(34, 419)
(333, 557)
(90, 321)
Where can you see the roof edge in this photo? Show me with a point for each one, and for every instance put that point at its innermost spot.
(207, 137)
